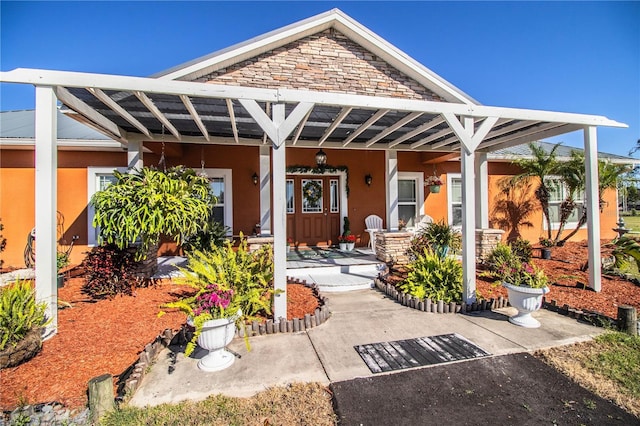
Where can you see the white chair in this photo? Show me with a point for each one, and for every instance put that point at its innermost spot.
(373, 224)
(422, 224)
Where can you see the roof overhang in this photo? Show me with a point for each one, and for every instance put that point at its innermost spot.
(136, 108)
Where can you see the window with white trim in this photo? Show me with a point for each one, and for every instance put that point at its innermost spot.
(98, 178)
(410, 197)
(558, 191)
(291, 206)
(454, 197)
(221, 186)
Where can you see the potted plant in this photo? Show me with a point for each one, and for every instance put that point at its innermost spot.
(526, 285)
(545, 250)
(21, 323)
(434, 183)
(232, 286)
(351, 242)
(143, 205)
(289, 244)
(441, 237)
(62, 261)
(342, 242)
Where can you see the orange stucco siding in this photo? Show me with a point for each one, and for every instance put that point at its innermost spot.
(17, 183)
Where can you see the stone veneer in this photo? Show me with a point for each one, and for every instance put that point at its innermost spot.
(327, 61)
(486, 241)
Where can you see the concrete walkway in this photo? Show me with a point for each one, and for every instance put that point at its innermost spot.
(325, 354)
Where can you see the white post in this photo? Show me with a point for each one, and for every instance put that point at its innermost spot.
(279, 217)
(391, 164)
(134, 154)
(592, 206)
(46, 160)
(265, 189)
(467, 158)
(482, 191)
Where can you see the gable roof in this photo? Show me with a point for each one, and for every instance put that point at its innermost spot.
(334, 18)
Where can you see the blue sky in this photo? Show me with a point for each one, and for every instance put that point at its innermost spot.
(559, 56)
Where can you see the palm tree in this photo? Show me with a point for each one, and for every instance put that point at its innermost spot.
(541, 165)
(572, 173)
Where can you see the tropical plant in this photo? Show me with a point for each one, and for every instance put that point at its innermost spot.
(19, 312)
(435, 277)
(215, 235)
(226, 280)
(542, 164)
(437, 236)
(513, 206)
(148, 203)
(108, 271)
(625, 249)
(505, 266)
(3, 242)
(522, 249)
(62, 260)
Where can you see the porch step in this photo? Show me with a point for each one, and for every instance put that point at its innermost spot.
(335, 278)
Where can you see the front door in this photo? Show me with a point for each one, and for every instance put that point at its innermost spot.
(313, 209)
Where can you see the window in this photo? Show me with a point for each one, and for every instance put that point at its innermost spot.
(454, 195)
(335, 203)
(221, 186)
(312, 205)
(410, 197)
(557, 193)
(98, 178)
(291, 206)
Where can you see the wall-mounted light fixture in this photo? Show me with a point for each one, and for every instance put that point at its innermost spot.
(368, 179)
(255, 178)
(321, 158)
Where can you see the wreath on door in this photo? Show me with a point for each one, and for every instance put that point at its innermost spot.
(312, 191)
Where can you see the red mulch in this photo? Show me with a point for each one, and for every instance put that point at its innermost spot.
(101, 337)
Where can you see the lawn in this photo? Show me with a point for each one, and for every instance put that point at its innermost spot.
(632, 222)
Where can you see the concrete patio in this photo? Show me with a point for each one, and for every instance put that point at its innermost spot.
(326, 353)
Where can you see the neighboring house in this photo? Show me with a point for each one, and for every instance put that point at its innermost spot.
(267, 108)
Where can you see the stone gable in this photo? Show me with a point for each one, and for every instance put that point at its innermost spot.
(327, 62)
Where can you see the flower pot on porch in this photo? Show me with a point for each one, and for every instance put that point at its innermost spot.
(343, 246)
(215, 336)
(545, 253)
(351, 246)
(434, 189)
(526, 300)
(60, 280)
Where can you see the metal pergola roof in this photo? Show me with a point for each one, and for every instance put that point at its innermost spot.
(133, 107)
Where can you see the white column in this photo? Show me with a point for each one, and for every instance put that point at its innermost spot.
(482, 191)
(592, 206)
(134, 154)
(467, 158)
(391, 165)
(265, 189)
(46, 160)
(279, 217)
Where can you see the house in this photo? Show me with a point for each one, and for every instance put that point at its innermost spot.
(258, 118)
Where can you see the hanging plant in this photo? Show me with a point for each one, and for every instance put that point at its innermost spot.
(312, 191)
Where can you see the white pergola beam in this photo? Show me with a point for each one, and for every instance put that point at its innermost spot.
(267, 111)
(232, 119)
(195, 116)
(148, 103)
(135, 154)
(297, 117)
(106, 99)
(46, 162)
(433, 137)
(375, 117)
(301, 127)
(79, 106)
(391, 177)
(279, 217)
(467, 158)
(420, 129)
(261, 118)
(543, 131)
(265, 189)
(400, 123)
(593, 207)
(341, 116)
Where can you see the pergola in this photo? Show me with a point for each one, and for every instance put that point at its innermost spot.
(134, 109)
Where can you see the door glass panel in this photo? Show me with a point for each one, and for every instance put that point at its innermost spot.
(290, 197)
(335, 207)
(312, 195)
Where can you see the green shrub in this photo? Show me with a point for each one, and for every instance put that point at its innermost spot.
(521, 249)
(19, 312)
(501, 255)
(504, 265)
(438, 237)
(214, 236)
(435, 277)
(108, 270)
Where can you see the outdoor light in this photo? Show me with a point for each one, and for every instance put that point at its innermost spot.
(255, 178)
(321, 158)
(368, 179)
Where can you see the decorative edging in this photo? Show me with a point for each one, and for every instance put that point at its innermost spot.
(320, 316)
(129, 380)
(437, 307)
(591, 317)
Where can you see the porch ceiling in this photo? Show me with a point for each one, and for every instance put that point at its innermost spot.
(127, 108)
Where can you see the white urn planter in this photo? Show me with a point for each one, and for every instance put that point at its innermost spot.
(343, 246)
(215, 336)
(351, 246)
(526, 300)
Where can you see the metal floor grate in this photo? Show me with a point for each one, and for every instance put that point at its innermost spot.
(401, 354)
